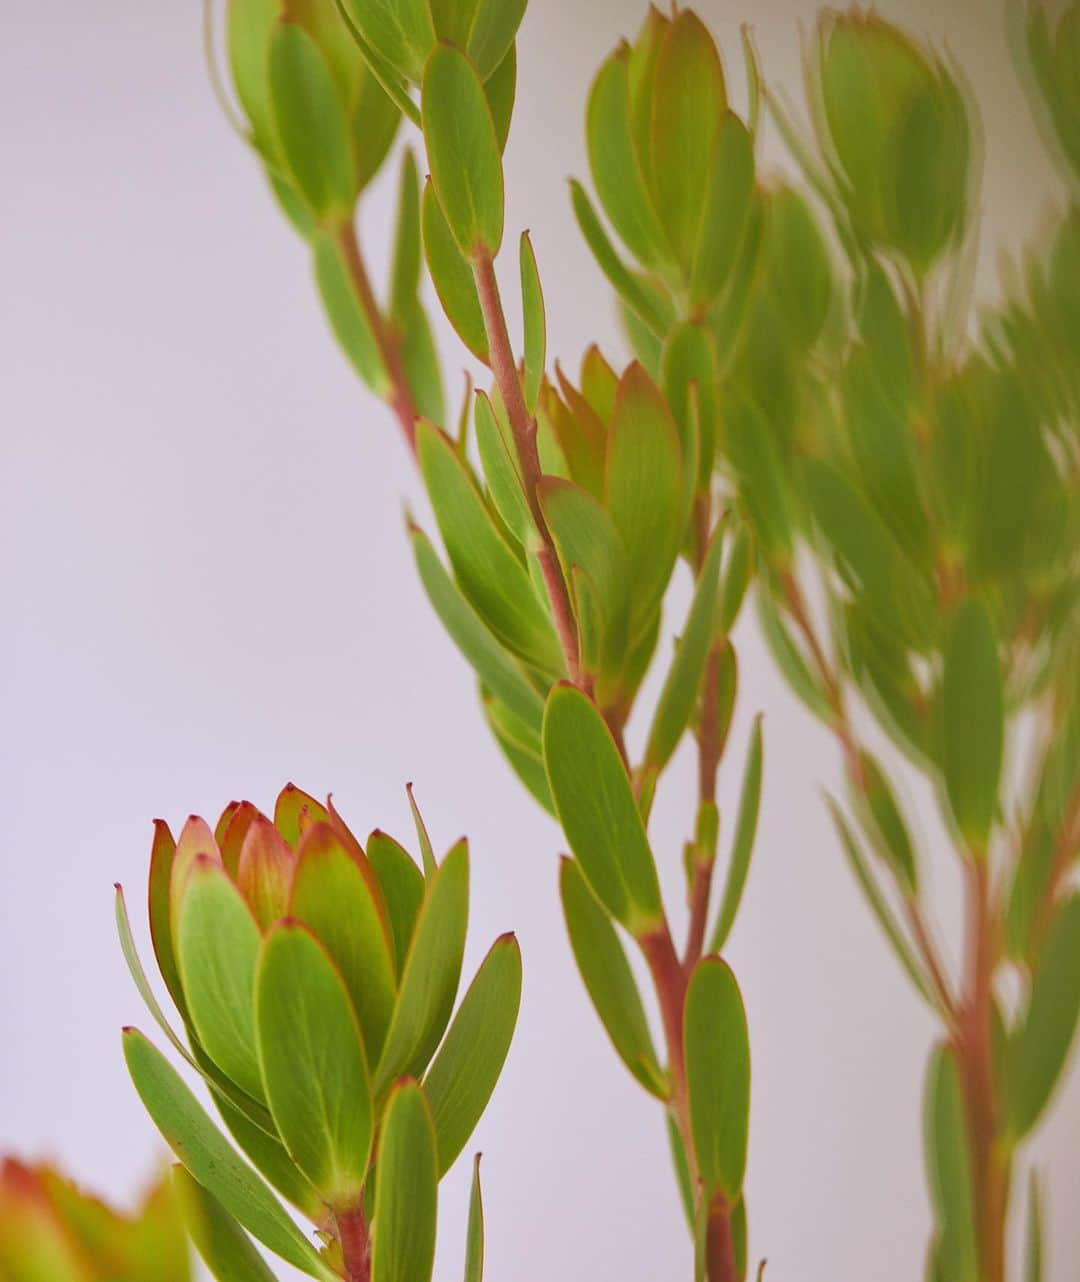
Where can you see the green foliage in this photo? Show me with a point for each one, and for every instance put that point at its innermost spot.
(321, 975)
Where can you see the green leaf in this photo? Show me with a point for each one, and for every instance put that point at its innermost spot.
(474, 1238)
(214, 1078)
(491, 35)
(528, 767)
(310, 123)
(427, 851)
(488, 572)
(405, 270)
(644, 490)
(313, 1063)
(402, 886)
(269, 1157)
(347, 318)
(887, 822)
(429, 979)
(753, 453)
(452, 277)
(609, 979)
(878, 905)
(742, 845)
(495, 668)
(420, 360)
(717, 1053)
(689, 377)
(499, 89)
(532, 310)
(586, 537)
(225, 1248)
(689, 100)
(737, 572)
(680, 692)
(728, 197)
(463, 151)
(162, 852)
(615, 166)
(217, 943)
(1042, 1042)
(406, 1190)
(597, 809)
(250, 25)
(973, 722)
(295, 811)
(651, 310)
(338, 899)
(463, 1074)
(788, 657)
(682, 1168)
(209, 1158)
(948, 1164)
(401, 32)
(1033, 1245)
(498, 459)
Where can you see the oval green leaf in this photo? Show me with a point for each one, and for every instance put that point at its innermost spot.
(716, 1046)
(224, 1247)
(463, 151)
(608, 979)
(742, 845)
(597, 810)
(406, 1190)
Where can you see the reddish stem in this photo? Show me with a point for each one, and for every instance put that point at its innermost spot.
(355, 1239)
(523, 428)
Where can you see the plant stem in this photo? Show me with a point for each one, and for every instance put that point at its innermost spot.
(400, 397)
(670, 981)
(355, 1240)
(973, 1043)
(523, 427)
(710, 748)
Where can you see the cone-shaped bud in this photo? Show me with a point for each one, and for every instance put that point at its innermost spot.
(672, 164)
(318, 116)
(51, 1229)
(896, 127)
(310, 973)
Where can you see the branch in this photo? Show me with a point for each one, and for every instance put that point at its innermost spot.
(355, 1239)
(523, 427)
(400, 398)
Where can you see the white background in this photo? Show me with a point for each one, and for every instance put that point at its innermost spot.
(206, 591)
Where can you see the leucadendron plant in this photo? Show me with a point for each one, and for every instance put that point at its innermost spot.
(565, 527)
(53, 1231)
(814, 410)
(315, 980)
(909, 474)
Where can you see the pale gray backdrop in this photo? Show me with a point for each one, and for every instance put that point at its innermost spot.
(206, 591)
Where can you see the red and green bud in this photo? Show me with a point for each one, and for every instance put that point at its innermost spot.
(894, 125)
(313, 973)
(51, 1231)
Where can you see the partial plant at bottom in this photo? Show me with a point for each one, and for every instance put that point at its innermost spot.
(53, 1231)
(315, 979)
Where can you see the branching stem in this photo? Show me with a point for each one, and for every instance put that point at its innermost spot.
(355, 1239)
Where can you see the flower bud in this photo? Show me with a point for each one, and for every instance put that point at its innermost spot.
(895, 123)
(672, 165)
(51, 1230)
(333, 73)
(312, 975)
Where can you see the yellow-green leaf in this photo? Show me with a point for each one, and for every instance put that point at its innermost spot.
(717, 1051)
(463, 151)
(406, 1190)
